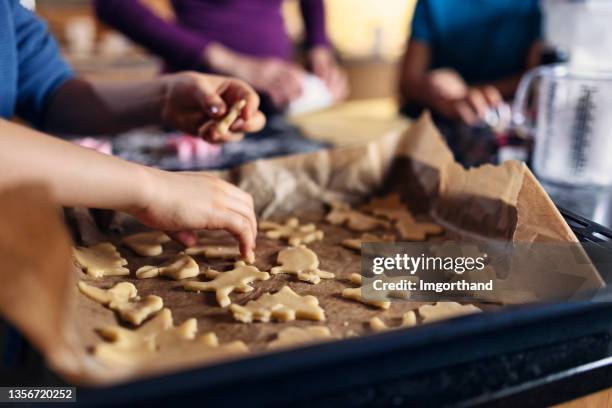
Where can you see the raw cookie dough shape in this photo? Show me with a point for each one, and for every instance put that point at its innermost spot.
(123, 299)
(301, 262)
(100, 260)
(408, 320)
(146, 243)
(355, 243)
(343, 214)
(355, 294)
(182, 267)
(296, 336)
(445, 310)
(392, 208)
(292, 231)
(213, 251)
(284, 305)
(412, 230)
(224, 124)
(224, 283)
(159, 336)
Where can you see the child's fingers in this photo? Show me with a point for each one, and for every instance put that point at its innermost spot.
(187, 238)
(240, 227)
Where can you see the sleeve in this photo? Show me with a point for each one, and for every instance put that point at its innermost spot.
(421, 23)
(181, 48)
(313, 13)
(41, 69)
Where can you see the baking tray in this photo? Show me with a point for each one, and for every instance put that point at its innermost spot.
(472, 360)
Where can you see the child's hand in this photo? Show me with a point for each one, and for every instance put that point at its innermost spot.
(184, 202)
(192, 99)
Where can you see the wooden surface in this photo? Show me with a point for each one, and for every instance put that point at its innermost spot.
(602, 399)
(354, 122)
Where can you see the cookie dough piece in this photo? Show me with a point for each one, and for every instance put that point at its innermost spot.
(292, 231)
(391, 201)
(355, 243)
(224, 283)
(101, 260)
(182, 267)
(120, 293)
(224, 124)
(284, 305)
(123, 299)
(355, 293)
(412, 230)
(296, 336)
(301, 262)
(408, 320)
(146, 243)
(159, 336)
(343, 214)
(445, 310)
(219, 252)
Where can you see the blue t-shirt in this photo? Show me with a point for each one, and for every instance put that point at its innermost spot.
(483, 40)
(31, 67)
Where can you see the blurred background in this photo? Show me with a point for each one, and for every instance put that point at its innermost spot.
(370, 40)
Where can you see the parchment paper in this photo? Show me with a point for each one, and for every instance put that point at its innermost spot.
(490, 202)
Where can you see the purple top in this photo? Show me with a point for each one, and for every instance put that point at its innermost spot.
(253, 27)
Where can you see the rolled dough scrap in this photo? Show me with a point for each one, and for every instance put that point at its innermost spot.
(146, 243)
(294, 336)
(284, 305)
(123, 299)
(224, 283)
(224, 124)
(301, 262)
(445, 310)
(355, 243)
(218, 252)
(160, 336)
(408, 320)
(343, 214)
(292, 231)
(355, 293)
(101, 260)
(412, 230)
(182, 267)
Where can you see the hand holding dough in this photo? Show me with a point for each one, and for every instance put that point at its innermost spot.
(292, 231)
(284, 305)
(224, 283)
(101, 260)
(302, 262)
(182, 267)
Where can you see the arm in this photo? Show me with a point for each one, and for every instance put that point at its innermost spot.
(313, 13)
(320, 57)
(180, 47)
(184, 101)
(77, 176)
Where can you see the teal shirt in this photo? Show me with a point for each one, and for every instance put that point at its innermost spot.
(31, 68)
(483, 40)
